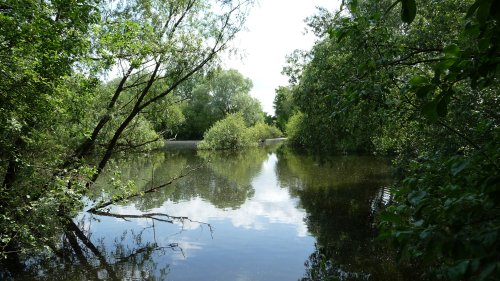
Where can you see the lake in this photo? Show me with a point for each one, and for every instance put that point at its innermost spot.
(263, 214)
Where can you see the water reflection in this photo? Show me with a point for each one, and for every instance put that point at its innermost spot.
(224, 180)
(258, 229)
(341, 198)
(256, 215)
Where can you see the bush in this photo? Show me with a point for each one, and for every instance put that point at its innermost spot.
(293, 129)
(446, 215)
(228, 133)
(262, 131)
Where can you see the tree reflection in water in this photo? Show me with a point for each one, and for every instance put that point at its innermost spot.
(214, 182)
(80, 256)
(132, 256)
(341, 198)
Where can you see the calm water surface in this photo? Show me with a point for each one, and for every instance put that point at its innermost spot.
(263, 214)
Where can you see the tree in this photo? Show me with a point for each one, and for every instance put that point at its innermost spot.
(422, 83)
(153, 47)
(219, 94)
(284, 106)
(226, 87)
(39, 45)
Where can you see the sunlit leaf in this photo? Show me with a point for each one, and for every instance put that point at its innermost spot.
(451, 51)
(418, 80)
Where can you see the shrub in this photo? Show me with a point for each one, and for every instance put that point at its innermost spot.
(228, 133)
(446, 215)
(293, 129)
(262, 131)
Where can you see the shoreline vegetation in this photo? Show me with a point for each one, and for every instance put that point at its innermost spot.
(418, 80)
(181, 144)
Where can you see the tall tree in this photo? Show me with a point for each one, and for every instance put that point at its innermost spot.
(222, 92)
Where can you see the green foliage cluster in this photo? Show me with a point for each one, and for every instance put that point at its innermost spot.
(420, 83)
(262, 131)
(228, 133)
(216, 95)
(448, 215)
(294, 130)
(232, 133)
(284, 106)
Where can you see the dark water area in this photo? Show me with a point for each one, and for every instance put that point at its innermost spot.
(262, 214)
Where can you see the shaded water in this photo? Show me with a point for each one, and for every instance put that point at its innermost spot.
(262, 214)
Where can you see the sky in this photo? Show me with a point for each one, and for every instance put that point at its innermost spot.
(275, 28)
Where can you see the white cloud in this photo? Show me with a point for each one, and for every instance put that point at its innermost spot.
(275, 29)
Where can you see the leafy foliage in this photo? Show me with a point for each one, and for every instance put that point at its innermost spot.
(283, 106)
(228, 133)
(215, 96)
(294, 129)
(232, 133)
(448, 216)
(62, 118)
(421, 83)
(261, 131)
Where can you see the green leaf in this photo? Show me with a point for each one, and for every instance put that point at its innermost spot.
(402, 233)
(483, 11)
(353, 5)
(483, 44)
(418, 80)
(424, 91)
(458, 271)
(487, 271)
(416, 196)
(451, 51)
(408, 11)
(442, 107)
(390, 217)
(456, 168)
(473, 8)
(429, 110)
(341, 34)
(445, 64)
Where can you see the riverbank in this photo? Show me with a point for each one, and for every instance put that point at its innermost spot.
(191, 144)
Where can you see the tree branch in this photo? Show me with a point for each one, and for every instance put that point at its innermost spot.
(162, 217)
